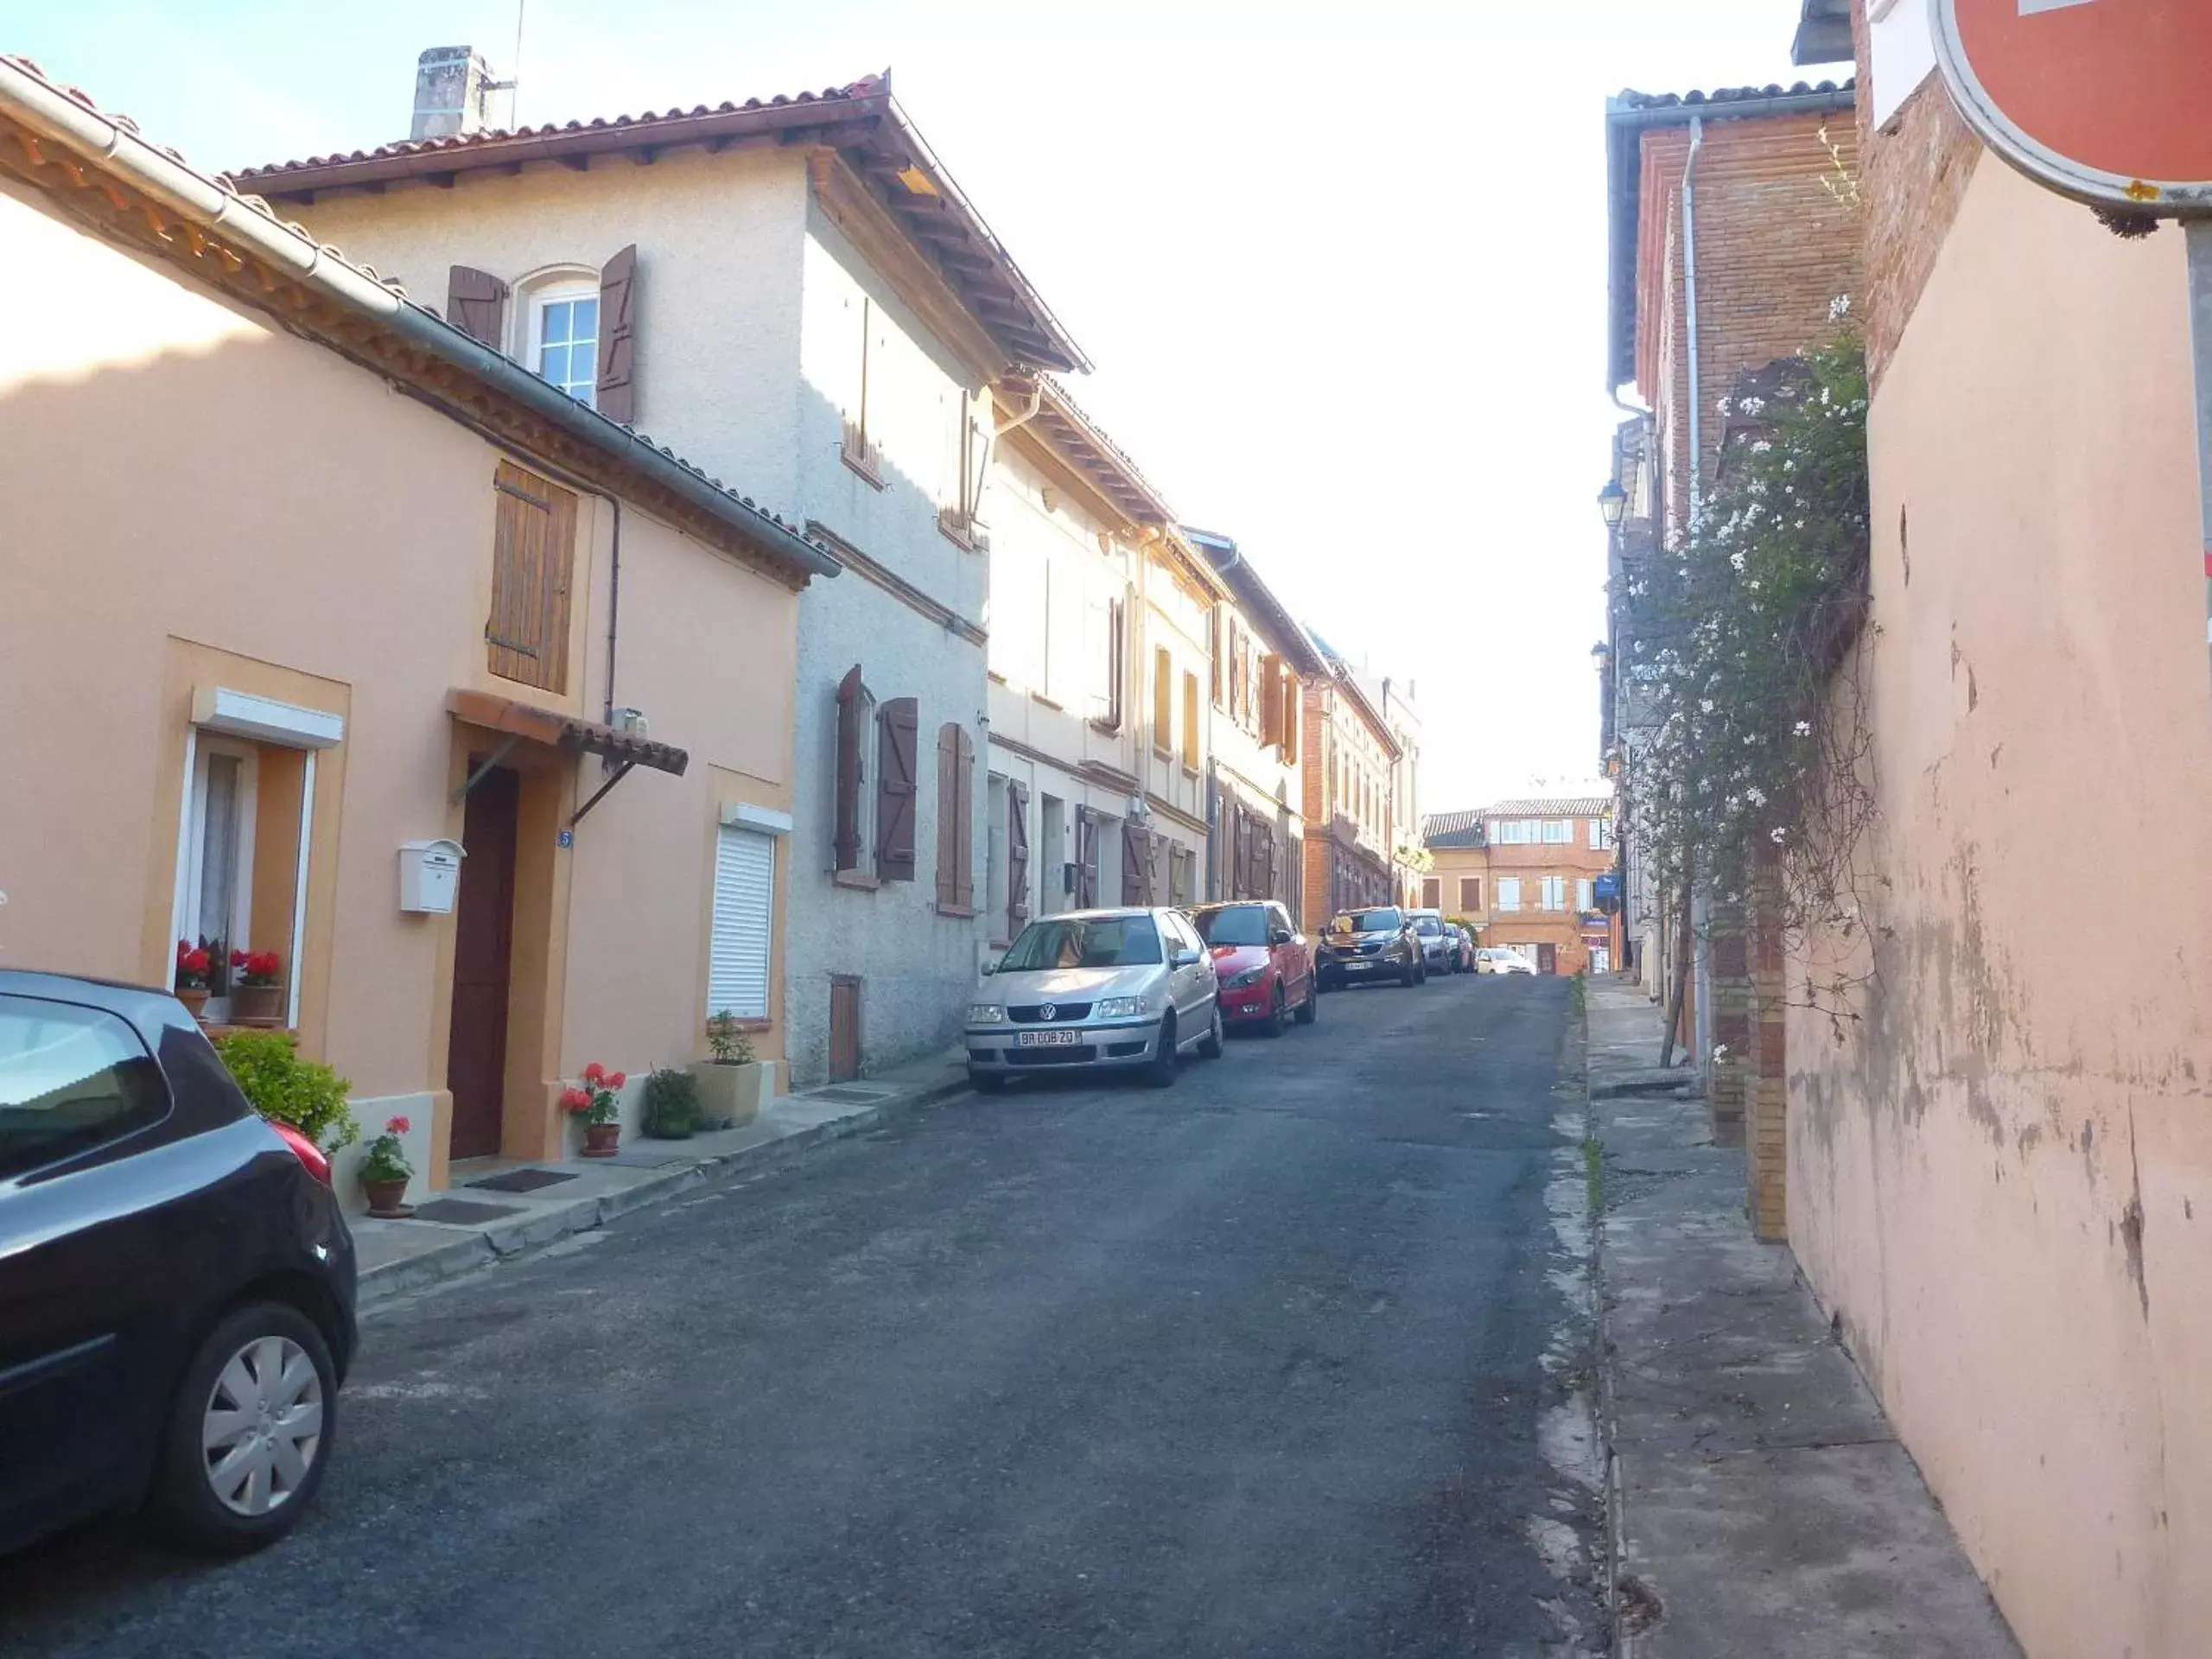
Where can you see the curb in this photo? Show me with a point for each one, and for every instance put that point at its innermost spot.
(519, 1238)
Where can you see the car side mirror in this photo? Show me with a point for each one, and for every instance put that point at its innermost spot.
(1281, 935)
(1185, 957)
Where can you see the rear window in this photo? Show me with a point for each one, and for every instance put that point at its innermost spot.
(1429, 927)
(1237, 924)
(71, 1078)
(1099, 941)
(1369, 921)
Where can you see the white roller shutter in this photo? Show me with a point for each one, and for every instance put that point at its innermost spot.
(745, 892)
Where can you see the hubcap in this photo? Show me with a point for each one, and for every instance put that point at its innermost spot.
(262, 1425)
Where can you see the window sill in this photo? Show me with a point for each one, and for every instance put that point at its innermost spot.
(749, 1022)
(859, 879)
(1110, 728)
(963, 912)
(868, 476)
(1163, 752)
(964, 540)
(1189, 771)
(1040, 698)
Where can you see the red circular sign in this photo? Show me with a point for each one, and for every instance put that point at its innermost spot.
(2110, 100)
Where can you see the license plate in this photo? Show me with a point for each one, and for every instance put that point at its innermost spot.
(1046, 1039)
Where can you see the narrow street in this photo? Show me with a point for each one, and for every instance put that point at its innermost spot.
(1253, 1365)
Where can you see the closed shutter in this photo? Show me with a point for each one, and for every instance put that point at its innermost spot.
(476, 304)
(1214, 654)
(897, 726)
(745, 893)
(846, 840)
(1086, 859)
(1117, 639)
(615, 396)
(1294, 716)
(963, 801)
(1240, 853)
(1017, 858)
(1271, 699)
(1582, 894)
(1136, 875)
(533, 557)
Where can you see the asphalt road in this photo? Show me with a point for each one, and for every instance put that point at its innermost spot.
(1253, 1365)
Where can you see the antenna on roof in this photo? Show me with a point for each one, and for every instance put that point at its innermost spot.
(514, 73)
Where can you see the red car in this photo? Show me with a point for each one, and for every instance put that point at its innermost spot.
(1265, 966)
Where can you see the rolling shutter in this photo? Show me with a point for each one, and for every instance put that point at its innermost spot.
(846, 843)
(897, 726)
(476, 304)
(615, 395)
(1017, 858)
(745, 892)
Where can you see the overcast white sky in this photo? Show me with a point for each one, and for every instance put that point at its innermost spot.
(1341, 267)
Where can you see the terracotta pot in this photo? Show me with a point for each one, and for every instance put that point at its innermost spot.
(385, 1197)
(256, 1005)
(194, 1000)
(600, 1139)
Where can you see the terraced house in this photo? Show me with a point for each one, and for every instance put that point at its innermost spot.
(796, 290)
(1348, 755)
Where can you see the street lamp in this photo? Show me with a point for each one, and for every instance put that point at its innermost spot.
(1612, 502)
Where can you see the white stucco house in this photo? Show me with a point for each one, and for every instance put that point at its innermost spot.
(794, 293)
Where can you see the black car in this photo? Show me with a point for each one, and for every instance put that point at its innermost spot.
(1378, 942)
(176, 1281)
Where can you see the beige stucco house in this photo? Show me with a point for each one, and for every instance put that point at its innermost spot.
(300, 578)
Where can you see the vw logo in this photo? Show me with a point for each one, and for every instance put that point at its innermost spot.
(1051, 1010)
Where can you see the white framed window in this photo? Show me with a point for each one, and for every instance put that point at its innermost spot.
(1508, 893)
(1583, 899)
(218, 874)
(1601, 835)
(564, 337)
(744, 923)
(1559, 832)
(1555, 892)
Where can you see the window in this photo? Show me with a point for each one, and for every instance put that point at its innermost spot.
(1111, 662)
(1559, 832)
(1582, 894)
(1601, 835)
(1163, 701)
(1431, 893)
(1515, 832)
(1555, 892)
(1190, 720)
(959, 517)
(533, 560)
(1182, 867)
(1234, 924)
(744, 920)
(1508, 893)
(71, 1079)
(857, 449)
(219, 873)
(955, 820)
(1471, 894)
(1104, 942)
(897, 726)
(565, 338)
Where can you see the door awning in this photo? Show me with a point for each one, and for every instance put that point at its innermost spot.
(525, 722)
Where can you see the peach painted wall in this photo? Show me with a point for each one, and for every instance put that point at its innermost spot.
(191, 493)
(2001, 1179)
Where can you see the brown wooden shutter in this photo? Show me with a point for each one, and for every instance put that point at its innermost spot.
(1117, 659)
(1136, 862)
(1294, 718)
(1017, 858)
(948, 814)
(533, 560)
(1213, 655)
(964, 838)
(615, 396)
(846, 845)
(1271, 699)
(1086, 859)
(476, 304)
(898, 727)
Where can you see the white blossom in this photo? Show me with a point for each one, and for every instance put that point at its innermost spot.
(1735, 561)
(1758, 795)
(1803, 728)
(1777, 835)
(1838, 308)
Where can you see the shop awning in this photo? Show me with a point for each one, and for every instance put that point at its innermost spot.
(525, 722)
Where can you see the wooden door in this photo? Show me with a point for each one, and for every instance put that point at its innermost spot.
(844, 1028)
(483, 949)
(1548, 958)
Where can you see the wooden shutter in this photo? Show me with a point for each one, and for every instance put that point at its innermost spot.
(1271, 699)
(615, 396)
(1086, 859)
(744, 919)
(898, 728)
(1431, 893)
(948, 814)
(1116, 658)
(1293, 719)
(1017, 858)
(1136, 863)
(1214, 654)
(845, 845)
(476, 304)
(533, 557)
(963, 802)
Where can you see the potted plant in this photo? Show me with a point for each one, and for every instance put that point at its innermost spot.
(671, 1104)
(732, 1084)
(597, 1105)
(193, 965)
(256, 988)
(306, 1094)
(385, 1172)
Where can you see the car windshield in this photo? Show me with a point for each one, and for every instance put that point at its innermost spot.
(1430, 927)
(1386, 920)
(1085, 942)
(1234, 924)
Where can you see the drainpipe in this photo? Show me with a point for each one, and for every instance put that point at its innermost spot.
(1689, 287)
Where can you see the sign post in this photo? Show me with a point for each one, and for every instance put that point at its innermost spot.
(2110, 102)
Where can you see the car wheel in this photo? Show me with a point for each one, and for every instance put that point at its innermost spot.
(1209, 1045)
(1274, 1025)
(1161, 1072)
(249, 1433)
(1406, 979)
(1310, 1009)
(988, 1083)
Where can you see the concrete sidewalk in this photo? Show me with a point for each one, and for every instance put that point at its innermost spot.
(404, 1255)
(1760, 1504)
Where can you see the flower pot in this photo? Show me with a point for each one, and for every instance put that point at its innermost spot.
(257, 1005)
(730, 1095)
(387, 1198)
(194, 999)
(600, 1139)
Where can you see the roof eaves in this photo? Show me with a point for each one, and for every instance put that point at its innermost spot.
(1281, 629)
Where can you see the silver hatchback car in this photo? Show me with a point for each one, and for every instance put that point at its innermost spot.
(1096, 989)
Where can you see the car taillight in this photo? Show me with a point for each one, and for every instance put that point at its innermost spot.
(305, 1150)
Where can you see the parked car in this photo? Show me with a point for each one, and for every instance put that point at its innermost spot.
(1439, 948)
(1496, 959)
(1265, 966)
(1378, 943)
(1103, 989)
(176, 1280)
(1466, 947)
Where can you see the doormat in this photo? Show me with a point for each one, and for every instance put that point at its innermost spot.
(524, 1180)
(460, 1212)
(854, 1096)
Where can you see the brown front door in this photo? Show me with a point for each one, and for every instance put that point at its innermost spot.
(476, 1050)
(1548, 958)
(844, 1028)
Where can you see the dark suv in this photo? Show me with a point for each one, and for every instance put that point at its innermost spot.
(176, 1281)
(1378, 942)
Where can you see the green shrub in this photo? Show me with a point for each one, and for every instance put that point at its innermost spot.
(306, 1094)
(671, 1104)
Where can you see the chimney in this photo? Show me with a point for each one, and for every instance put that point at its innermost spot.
(452, 91)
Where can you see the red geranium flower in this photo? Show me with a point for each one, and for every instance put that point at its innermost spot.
(398, 1126)
(615, 1079)
(575, 1100)
(594, 1072)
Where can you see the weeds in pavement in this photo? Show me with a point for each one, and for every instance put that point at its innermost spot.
(1594, 1174)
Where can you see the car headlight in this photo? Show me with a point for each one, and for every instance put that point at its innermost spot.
(985, 1013)
(1118, 1007)
(1250, 976)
